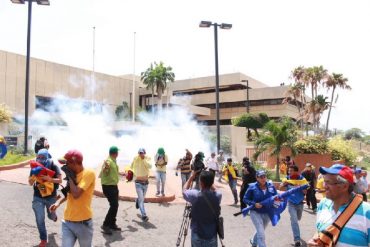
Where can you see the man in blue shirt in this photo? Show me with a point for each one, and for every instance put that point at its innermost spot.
(295, 202)
(205, 209)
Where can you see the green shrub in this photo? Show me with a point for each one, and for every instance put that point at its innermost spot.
(312, 145)
(342, 150)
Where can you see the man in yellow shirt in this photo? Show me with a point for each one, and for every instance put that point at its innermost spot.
(141, 167)
(77, 223)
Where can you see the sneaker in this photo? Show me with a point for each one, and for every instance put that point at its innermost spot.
(136, 204)
(297, 243)
(251, 241)
(43, 243)
(115, 228)
(145, 218)
(163, 194)
(106, 230)
(314, 210)
(157, 194)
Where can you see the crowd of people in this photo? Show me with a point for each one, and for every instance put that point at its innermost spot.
(344, 193)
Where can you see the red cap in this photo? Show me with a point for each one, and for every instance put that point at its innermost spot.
(73, 155)
(338, 169)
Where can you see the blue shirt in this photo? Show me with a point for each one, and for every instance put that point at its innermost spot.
(298, 197)
(254, 194)
(355, 232)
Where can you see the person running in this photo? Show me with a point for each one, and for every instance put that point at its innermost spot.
(211, 163)
(256, 193)
(205, 209)
(220, 162)
(339, 183)
(185, 167)
(230, 175)
(161, 160)
(78, 223)
(295, 201)
(141, 167)
(248, 176)
(42, 199)
(109, 176)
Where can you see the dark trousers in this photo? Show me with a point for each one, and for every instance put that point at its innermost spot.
(364, 197)
(111, 193)
(311, 198)
(243, 189)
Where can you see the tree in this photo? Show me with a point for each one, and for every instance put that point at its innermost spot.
(157, 79)
(5, 114)
(250, 121)
(295, 92)
(122, 111)
(315, 108)
(277, 135)
(354, 133)
(334, 81)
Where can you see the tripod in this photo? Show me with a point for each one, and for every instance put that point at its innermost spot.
(184, 225)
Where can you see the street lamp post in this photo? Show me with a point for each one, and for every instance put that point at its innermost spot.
(247, 104)
(215, 26)
(26, 96)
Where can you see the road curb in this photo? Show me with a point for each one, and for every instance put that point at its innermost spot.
(14, 166)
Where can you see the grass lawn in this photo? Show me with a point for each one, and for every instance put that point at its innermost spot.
(10, 159)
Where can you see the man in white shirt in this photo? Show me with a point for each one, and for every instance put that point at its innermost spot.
(211, 163)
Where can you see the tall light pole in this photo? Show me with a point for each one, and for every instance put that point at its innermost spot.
(26, 96)
(215, 26)
(133, 82)
(247, 103)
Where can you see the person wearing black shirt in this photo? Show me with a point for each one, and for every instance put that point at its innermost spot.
(248, 176)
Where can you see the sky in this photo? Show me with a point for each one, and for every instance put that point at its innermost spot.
(268, 40)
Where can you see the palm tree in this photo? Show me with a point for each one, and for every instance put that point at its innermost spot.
(294, 93)
(157, 79)
(315, 108)
(277, 135)
(334, 81)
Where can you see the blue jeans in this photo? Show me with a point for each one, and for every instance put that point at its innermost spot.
(184, 178)
(141, 191)
(39, 205)
(196, 241)
(295, 212)
(161, 179)
(260, 222)
(81, 231)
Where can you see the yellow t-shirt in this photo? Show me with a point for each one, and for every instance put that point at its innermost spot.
(140, 167)
(161, 162)
(320, 186)
(79, 209)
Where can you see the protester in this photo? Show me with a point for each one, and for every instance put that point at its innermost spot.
(198, 166)
(78, 223)
(339, 185)
(289, 162)
(141, 168)
(295, 201)
(257, 192)
(161, 161)
(205, 209)
(109, 180)
(320, 185)
(283, 167)
(185, 166)
(364, 178)
(220, 162)
(360, 184)
(230, 172)
(41, 143)
(211, 163)
(248, 176)
(310, 175)
(42, 198)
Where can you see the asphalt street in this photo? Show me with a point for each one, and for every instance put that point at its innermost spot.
(18, 227)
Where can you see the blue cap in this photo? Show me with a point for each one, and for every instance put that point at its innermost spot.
(44, 152)
(358, 170)
(338, 169)
(260, 173)
(141, 151)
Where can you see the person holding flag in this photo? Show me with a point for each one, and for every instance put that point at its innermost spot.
(295, 200)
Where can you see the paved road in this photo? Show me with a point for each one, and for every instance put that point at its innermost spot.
(18, 227)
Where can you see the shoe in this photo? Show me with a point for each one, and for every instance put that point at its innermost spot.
(115, 228)
(157, 194)
(106, 230)
(314, 210)
(136, 204)
(56, 219)
(145, 218)
(163, 194)
(251, 241)
(297, 243)
(43, 243)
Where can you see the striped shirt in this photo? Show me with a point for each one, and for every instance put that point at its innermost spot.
(355, 232)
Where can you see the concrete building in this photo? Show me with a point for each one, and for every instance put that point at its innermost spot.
(47, 79)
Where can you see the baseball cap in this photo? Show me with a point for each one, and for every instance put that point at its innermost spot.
(338, 169)
(260, 173)
(358, 170)
(141, 151)
(308, 165)
(113, 150)
(71, 155)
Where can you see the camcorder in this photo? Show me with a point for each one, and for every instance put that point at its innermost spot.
(70, 175)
